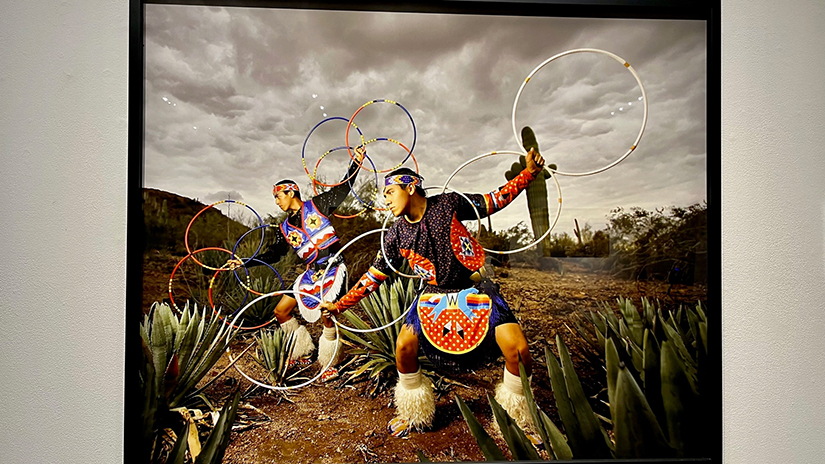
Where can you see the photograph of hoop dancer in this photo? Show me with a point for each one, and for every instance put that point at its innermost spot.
(390, 236)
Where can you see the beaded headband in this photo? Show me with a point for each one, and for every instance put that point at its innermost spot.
(403, 179)
(284, 188)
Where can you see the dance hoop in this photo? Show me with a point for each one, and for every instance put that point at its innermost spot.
(303, 151)
(376, 329)
(349, 182)
(558, 189)
(384, 228)
(191, 255)
(248, 289)
(570, 52)
(274, 387)
(186, 234)
(252, 258)
(409, 151)
(377, 189)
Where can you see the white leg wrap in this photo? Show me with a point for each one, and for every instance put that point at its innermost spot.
(303, 341)
(327, 346)
(414, 399)
(510, 395)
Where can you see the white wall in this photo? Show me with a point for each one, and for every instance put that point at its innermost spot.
(773, 220)
(63, 118)
(63, 114)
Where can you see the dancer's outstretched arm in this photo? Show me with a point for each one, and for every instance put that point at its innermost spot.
(330, 200)
(489, 203)
(371, 279)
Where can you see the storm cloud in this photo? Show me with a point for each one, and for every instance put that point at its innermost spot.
(232, 93)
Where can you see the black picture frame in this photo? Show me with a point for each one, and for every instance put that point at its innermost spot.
(709, 12)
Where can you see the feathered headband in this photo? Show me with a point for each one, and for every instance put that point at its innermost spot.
(284, 188)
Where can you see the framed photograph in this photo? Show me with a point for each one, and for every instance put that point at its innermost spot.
(331, 258)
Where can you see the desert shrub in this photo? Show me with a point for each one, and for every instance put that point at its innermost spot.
(666, 244)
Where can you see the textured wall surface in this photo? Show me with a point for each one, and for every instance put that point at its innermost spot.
(63, 120)
(63, 127)
(773, 218)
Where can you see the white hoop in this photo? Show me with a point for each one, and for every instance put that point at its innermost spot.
(387, 325)
(558, 189)
(352, 329)
(274, 387)
(583, 50)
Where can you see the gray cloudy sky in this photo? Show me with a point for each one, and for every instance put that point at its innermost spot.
(231, 95)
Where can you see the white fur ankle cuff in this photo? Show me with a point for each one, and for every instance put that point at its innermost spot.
(415, 405)
(410, 381)
(512, 382)
(290, 325)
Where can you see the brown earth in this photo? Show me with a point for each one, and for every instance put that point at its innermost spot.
(335, 422)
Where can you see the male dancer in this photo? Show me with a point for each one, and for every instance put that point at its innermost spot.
(457, 323)
(308, 230)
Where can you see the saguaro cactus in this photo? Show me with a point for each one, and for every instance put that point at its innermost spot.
(577, 231)
(536, 191)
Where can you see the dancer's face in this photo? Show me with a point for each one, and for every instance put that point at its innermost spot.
(397, 198)
(282, 199)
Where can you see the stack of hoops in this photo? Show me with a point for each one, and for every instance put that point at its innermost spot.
(244, 282)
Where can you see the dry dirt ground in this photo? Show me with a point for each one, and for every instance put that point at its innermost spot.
(335, 422)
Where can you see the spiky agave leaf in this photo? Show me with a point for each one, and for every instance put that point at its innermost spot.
(217, 338)
(681, 403)
(183, 349)
(520, 446)
(150, 398)
(592, 432)
(637, 432)
(586, 436)
(486, 444)
(178, 453)
(215, 446)
(653, 377)
(547, 430)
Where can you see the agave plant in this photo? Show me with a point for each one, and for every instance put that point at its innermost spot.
(520, 446)
(378, 348)
(654, 362)
(178, 352)
(275, 347)
(213, 450)
(653, 392)
(638, 332)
